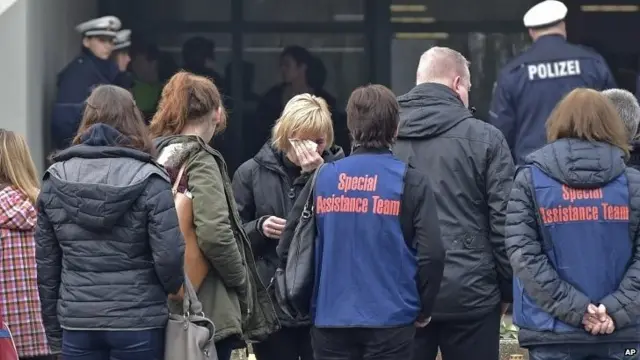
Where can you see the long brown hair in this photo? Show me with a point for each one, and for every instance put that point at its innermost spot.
(114, 106)
(587, 114)
(16, 165)
(185, 98)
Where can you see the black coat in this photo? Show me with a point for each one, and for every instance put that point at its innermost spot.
(108, 245)
(471, 170)
(263, 188)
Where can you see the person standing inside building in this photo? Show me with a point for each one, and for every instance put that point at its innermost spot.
(573, 238)
(379, 254)
(91, 68)
(471, 170)
(533, 83)
(122, 58)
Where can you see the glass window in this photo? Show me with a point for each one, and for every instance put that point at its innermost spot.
(169, 10)
(303, 10)
(461, 10)
(172, 43)
(343, 56)
(486, 52)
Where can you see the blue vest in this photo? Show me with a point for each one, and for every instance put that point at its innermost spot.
(365, 272)
(585, 235)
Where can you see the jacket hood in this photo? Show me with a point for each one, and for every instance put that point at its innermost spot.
(579, 163)
(429, 110)
(270, 158)
(97, 181)
(16, 210)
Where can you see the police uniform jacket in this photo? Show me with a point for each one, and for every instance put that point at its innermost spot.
(75, 84)
(531, 85)
(565, 257)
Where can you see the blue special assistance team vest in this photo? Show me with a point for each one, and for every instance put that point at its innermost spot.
(586, 238)
(365, 272)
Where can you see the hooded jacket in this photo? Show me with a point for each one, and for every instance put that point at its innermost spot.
(470, 168)
(108, 246)
(582, 165)
(263, 188)
(232, 294)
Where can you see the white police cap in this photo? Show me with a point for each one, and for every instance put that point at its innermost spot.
(545, 13)
(122, 40)
(104, 26)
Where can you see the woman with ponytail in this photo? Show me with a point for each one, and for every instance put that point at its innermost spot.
(190, 113)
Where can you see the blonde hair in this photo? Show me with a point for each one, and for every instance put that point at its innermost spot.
(587, 114)
(16, 165)
(304, 114)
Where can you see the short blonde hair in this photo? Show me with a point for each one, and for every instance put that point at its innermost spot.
(303, 114)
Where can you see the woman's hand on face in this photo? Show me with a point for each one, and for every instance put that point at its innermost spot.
(308, 157)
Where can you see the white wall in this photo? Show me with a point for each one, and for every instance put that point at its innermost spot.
(37, 39)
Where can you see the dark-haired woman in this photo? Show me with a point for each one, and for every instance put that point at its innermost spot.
(109, 249)
(189, 114)
(301, 73)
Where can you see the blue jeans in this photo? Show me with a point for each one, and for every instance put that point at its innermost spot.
(620, 351)
(113, 345)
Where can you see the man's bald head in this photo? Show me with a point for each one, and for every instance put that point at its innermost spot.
(442, 65)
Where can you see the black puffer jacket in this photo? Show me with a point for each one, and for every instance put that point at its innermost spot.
(471, 171)
(109, 249)
(579, 164)
(263, 187)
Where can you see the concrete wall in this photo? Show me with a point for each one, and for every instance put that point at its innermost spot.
(37, 40)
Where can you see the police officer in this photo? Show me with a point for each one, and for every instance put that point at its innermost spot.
(531, 85)
(122, 58)
(91, 68)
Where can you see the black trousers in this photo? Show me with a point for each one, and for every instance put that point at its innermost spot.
(285, 344)
(362, 343)
(460, 340)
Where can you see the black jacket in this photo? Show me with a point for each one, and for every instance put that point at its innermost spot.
(579, 164)
(109, 248)
(470, 168)
(634, 160)
(264, 187)
(419, 222)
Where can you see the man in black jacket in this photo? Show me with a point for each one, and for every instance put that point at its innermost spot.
(471, 170)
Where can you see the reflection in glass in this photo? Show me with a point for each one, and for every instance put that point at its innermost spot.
(303, 10)
(488, 53)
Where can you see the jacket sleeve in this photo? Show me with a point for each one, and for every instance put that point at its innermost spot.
(49, 260)
(292, 222)
(499, 179)
(165, 239)
(623, 305)
(502, 115)
(531, 265)
(428, 243)
(211, 218)
(243, 193)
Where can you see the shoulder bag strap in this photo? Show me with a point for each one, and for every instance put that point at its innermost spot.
(174, 188)
(308, 207)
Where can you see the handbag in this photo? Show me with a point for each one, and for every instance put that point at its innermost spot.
(299, 272)
(189, 336)
(196, 266)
